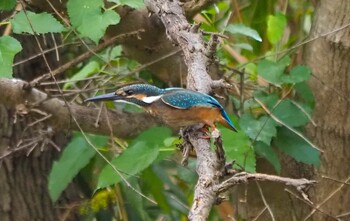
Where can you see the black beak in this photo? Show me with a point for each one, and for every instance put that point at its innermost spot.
(105, 97)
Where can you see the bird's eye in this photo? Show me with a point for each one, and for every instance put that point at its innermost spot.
(129, 92)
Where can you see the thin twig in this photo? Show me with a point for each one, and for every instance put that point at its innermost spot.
(265, 202)
(327, 198)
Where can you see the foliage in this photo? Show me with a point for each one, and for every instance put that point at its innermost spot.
(9, 46)
(31, 22)
(276, 104)
(68, 166)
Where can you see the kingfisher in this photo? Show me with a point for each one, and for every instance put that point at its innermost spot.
(177, 107)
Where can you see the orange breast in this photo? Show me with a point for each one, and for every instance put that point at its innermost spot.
(185, 117)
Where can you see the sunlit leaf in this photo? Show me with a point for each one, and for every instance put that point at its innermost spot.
(9, 47)
(87, 17)
(89, 69)
(132, 3)
(243, 30)
(41, 23)
(275, 27)
(75, 156)
(297, 147)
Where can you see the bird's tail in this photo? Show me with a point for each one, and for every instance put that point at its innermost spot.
(226, 122)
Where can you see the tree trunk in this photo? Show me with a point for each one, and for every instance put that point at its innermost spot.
(23, 179)
(329, 59)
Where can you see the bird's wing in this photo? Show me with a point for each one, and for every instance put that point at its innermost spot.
(185, 99)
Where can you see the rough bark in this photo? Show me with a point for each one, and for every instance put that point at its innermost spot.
(121, 124)
(329, 59)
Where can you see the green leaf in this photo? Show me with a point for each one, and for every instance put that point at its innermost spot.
(272, 71)
(275, 27)
(9, 47)
(238, 148)
(297, 74)
(243, 30)
(269, 154)
(75, 156)
(155, 185)
(134, 199)
(86, 16)
(41, 23)
(89, 69)
(262, 129)
(132, 3)
(297, 147)
(7, 4)
(137, 157)
(270, 100)
(304, 91)
(291, 114)
(245, 46)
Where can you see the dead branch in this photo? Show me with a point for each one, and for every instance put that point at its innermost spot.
(244, 177)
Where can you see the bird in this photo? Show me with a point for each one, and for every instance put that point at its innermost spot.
(177, 107)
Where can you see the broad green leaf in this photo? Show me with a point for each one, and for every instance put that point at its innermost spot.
(41, 23)
(304, 91)
(243, 30)
(272, 71)
(75, 156)
(9, 47)
(132, 3)
(269, 154)
(238, 148)
(297, 74)
(269, 99)
(187, 173)
(138, 156)
(296, 147)
(291, 114)
(7, 4)
(134, 199)
(87, 17)
(262, 129)
(155, 185)
(251, 70)
(275, 27)
(89, 69)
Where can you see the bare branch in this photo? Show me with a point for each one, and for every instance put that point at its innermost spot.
(244, 177)
(124, 125)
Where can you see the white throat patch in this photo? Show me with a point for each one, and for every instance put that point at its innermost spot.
(151, 99)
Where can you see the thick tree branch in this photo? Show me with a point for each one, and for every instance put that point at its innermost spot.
(124, 125)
